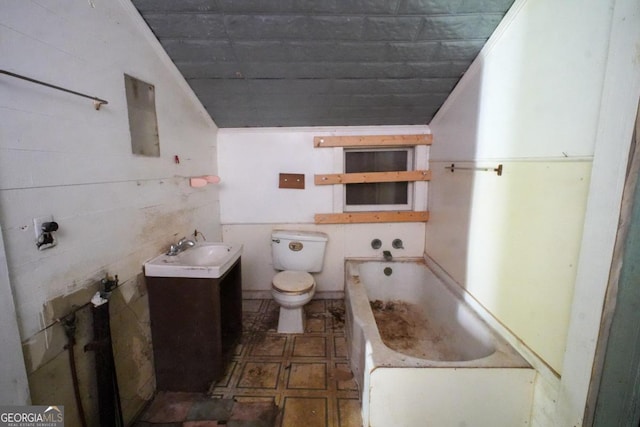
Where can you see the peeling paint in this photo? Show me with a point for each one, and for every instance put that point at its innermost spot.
(47, 360)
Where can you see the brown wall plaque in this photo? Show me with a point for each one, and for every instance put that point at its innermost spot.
(292, 180)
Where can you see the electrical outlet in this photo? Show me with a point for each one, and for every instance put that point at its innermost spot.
(37, 223)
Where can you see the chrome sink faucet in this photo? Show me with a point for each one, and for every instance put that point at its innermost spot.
(182, 245)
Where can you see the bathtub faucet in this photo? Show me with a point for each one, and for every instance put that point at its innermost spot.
(387, 255)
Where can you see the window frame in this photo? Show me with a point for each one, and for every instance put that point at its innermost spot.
(337, 178)
(410, 166)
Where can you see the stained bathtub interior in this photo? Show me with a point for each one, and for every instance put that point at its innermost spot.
(412, 342)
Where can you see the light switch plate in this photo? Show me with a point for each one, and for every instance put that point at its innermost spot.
(38, 221)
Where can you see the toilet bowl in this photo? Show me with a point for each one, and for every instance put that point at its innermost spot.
(295, 254)
(292, 290)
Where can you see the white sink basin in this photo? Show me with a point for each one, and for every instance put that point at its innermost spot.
(205, 260)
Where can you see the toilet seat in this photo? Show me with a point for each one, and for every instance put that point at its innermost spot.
(293, 282)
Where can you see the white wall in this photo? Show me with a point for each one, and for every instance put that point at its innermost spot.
(61, 157)
(14, 388)
(527, 103)
(534, 246)
(252, 205)
(616, 121)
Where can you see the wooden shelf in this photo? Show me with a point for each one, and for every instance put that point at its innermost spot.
(372, 140)
(367, 217)
(370, 177)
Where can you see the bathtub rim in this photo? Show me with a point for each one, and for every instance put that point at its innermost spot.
(541, 367)
(381, 356)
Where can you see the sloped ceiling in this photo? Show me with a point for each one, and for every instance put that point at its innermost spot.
(322, 63)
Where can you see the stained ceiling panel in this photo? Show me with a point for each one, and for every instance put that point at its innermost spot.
(294, 63)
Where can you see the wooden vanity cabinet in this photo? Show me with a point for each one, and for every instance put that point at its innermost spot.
(195, 325)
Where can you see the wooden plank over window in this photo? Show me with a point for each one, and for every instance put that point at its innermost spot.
(372, 140)
(368, 177)
(366, 217)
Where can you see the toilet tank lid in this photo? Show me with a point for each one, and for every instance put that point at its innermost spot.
(316, 236)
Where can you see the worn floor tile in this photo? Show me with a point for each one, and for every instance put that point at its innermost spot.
(276, 380)
(251, 305)
(269, 345)
(307, 376)
(315, 323)
(305, 411)
(228, 374)
(349, 413)
(340, 347)
(260, 375)
(344, 377)
(248, 411)
(310, 346)
(316, 306)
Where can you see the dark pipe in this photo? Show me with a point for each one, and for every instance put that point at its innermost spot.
(110, 410)
(69, 324)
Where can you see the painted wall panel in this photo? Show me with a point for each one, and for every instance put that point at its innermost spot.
(252, 205)
(513, 241)
(14, 388)
(534, 90)
(251, 159)
(61, 157)
(345, 241)
(518, 252)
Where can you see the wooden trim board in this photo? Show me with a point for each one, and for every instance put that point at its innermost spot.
(377, 216)
(372, 140)
(367, 177)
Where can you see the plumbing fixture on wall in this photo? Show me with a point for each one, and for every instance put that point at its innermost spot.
(397, 244)
(376, 244)
(196, 233)
(109, 406)
(69, 325)
(387, 255)
(45, 227)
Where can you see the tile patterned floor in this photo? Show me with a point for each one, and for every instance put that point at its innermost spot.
(285, 380)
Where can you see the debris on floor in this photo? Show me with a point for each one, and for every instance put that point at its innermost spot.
(181, 409)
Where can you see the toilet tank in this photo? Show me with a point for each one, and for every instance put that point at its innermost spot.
(298, 250)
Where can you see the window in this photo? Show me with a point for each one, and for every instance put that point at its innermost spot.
(379, 195)
(376, 178)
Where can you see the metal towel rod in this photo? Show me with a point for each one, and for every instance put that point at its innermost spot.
(497, 170)
(97, 101)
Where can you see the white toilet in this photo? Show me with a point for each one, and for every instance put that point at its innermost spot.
(297, 253)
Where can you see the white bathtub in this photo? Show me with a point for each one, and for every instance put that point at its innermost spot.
(469, 377)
